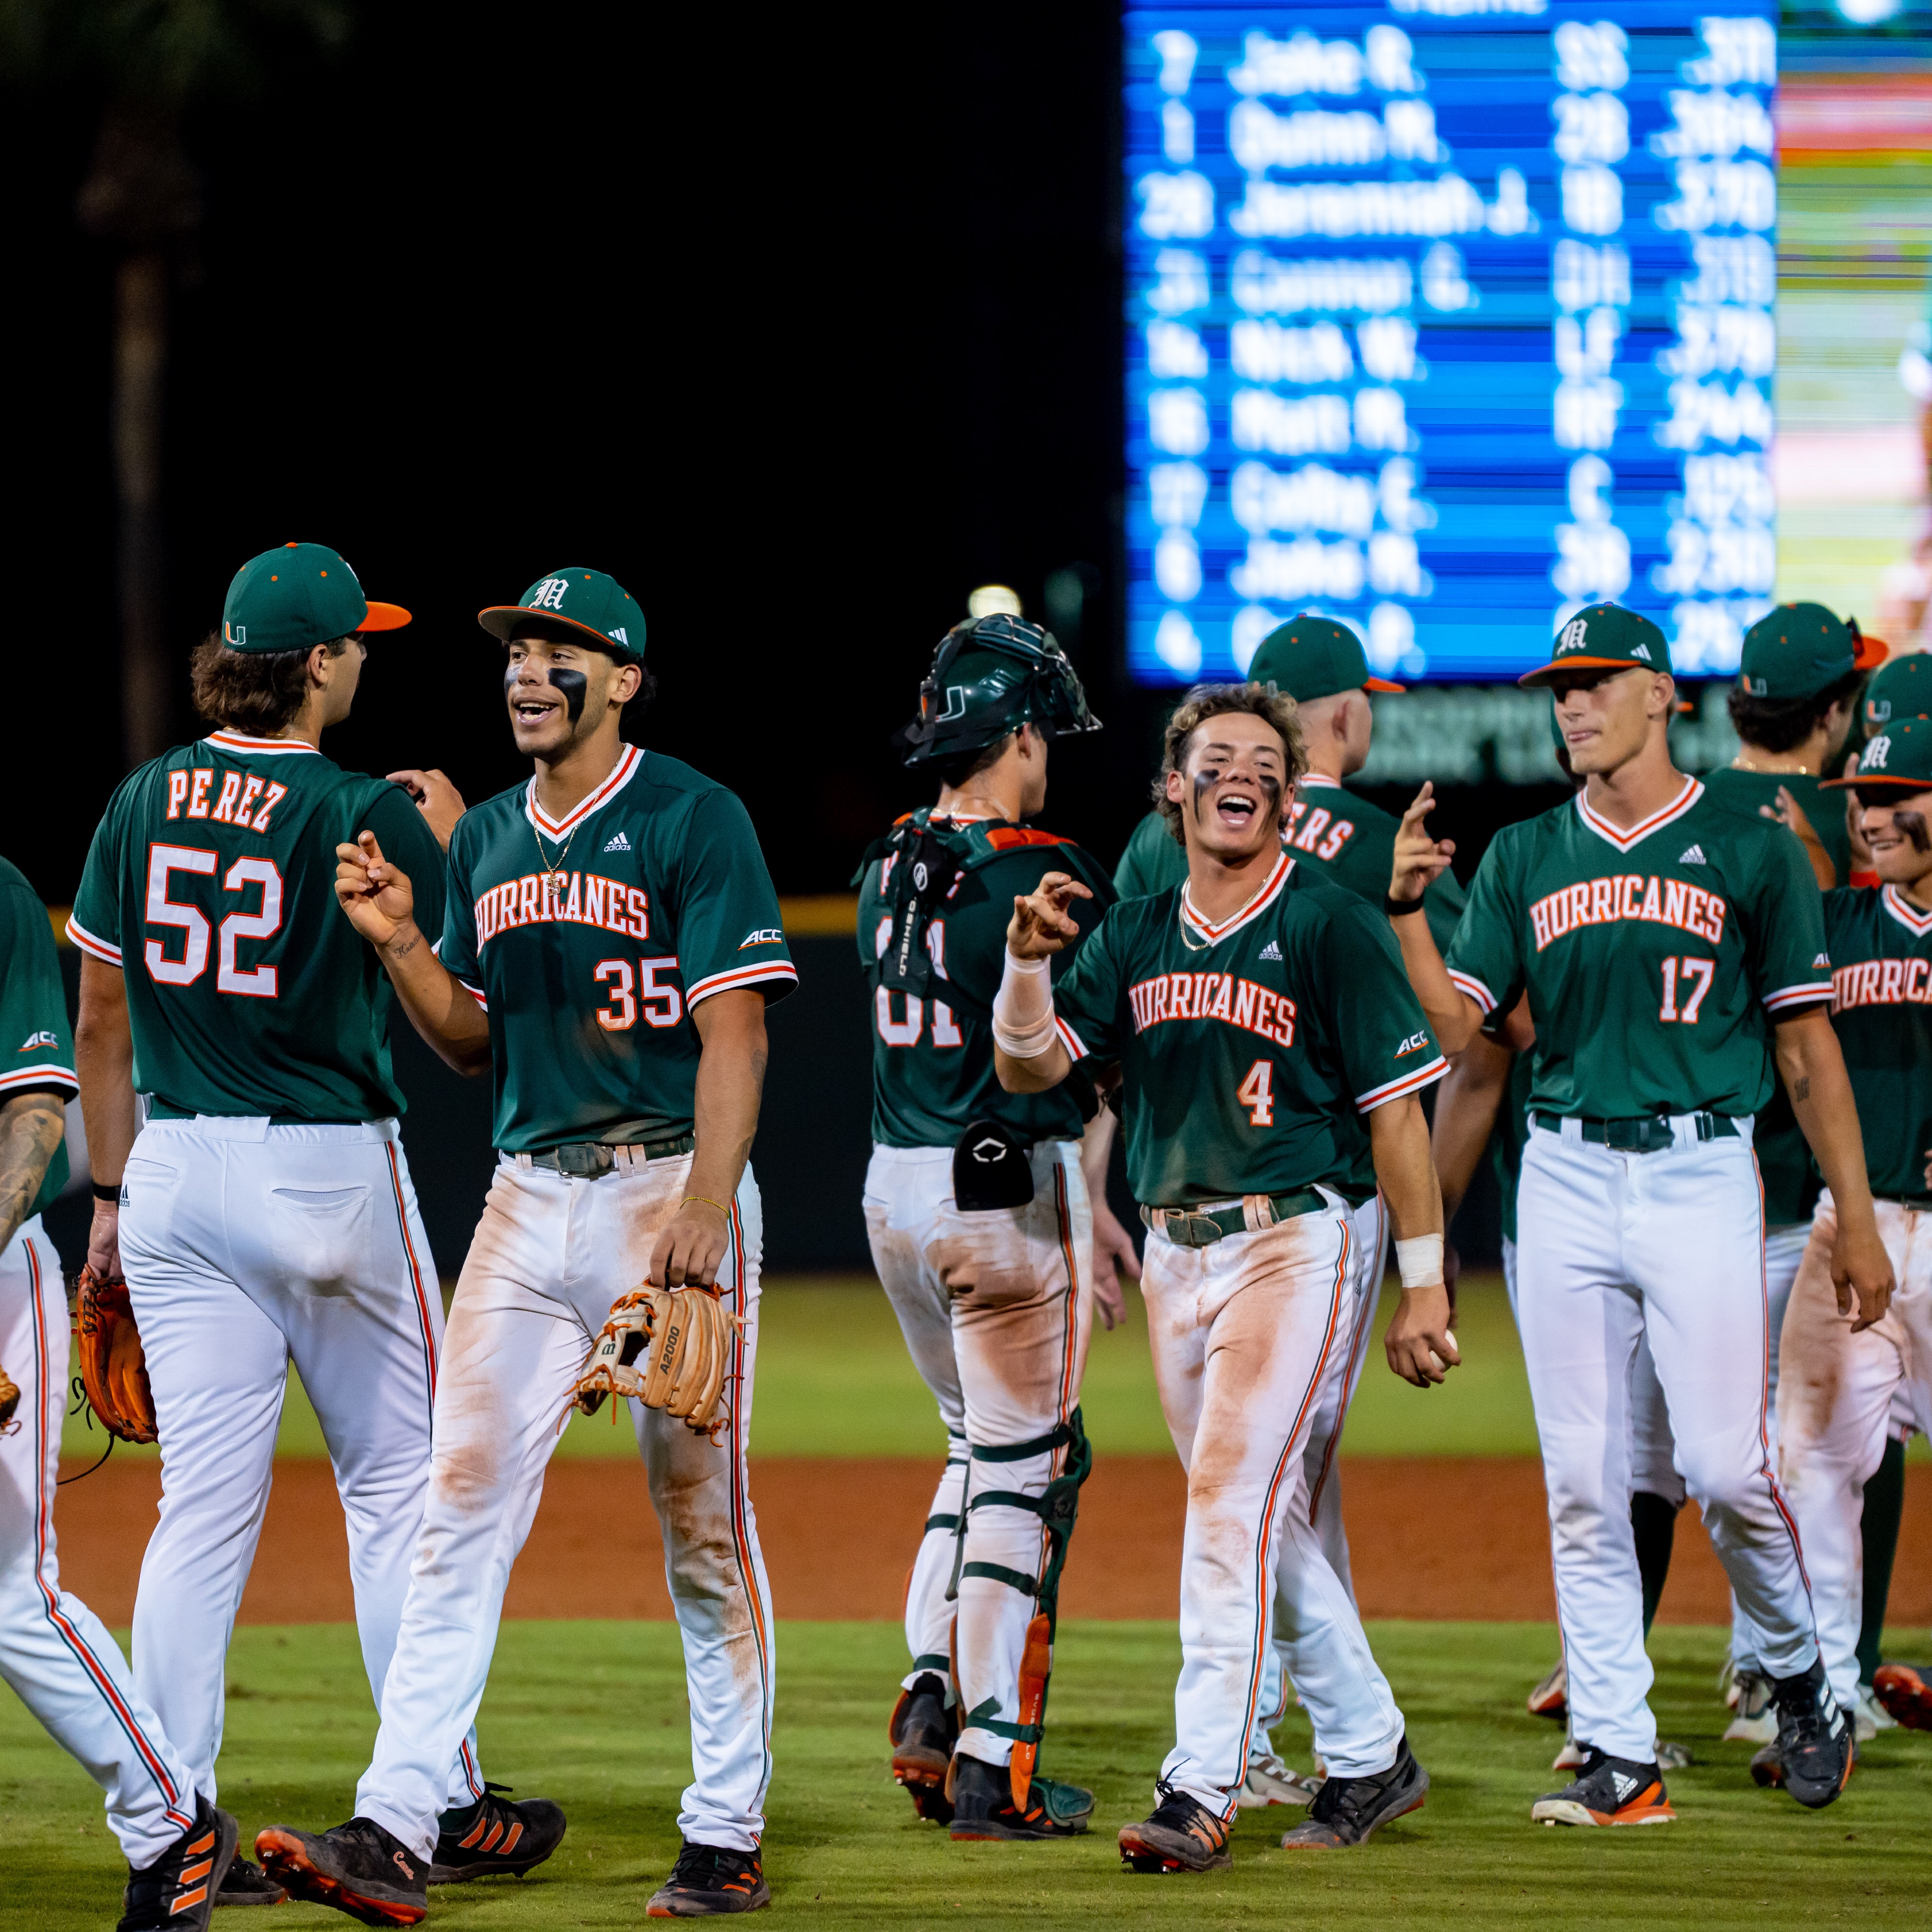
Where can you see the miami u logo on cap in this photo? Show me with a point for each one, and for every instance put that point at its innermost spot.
(236, 634)
(548, 594)
(1877, 753)
(1572, 639)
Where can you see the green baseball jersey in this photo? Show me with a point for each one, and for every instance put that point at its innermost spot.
(36, 1042)
(211, 882)
(1657, 960)
(590, 938)
(1881, 945)
(1331, 830)
(1249, 1048)
(932, 1059)
(1745, 791)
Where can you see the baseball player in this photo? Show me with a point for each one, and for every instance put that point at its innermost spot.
(979, 1213)
(1842, 1372)
(1253, 1011)
(611, 940)
(264, 1214)
(54, 1651)
(1673, 953)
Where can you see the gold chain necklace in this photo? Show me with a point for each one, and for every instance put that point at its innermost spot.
(1741, 764)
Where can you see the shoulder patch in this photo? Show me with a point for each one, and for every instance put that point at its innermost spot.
(42, 1038)
(764, 935)
(1822, 963)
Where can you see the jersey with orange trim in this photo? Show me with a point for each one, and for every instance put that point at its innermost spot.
(1657, 961)
(1248, 1049)
(589, 939)
(211, 882)
(36, 1045)
(932, 1058)
(1881, 945)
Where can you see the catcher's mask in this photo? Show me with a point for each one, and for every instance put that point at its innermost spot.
(990, 676)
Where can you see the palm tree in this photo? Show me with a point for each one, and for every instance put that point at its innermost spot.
(150, 64)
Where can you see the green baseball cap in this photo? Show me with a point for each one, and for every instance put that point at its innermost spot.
(297, 597)
(1899, 758)
(1800, 650)
(576, 599)
(1310, 657)
(1604, 637)
(1901, 688)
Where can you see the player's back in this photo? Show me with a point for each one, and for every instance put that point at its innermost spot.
(211, 883)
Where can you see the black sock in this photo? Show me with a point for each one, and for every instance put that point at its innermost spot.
(1884, 1505)
(1654, 1526)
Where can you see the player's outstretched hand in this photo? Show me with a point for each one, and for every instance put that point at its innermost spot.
(377, 896)
(1421, 1344)
(1113, 1248)
(1861, 1273)
(1788, 812)
(438, 801)
(1041, 924)
(1419, 859)
(690, 1247)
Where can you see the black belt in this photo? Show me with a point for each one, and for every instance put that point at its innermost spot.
(1645, 1133)
(586, 1159)
(1919, 1203)
(1200, 1227)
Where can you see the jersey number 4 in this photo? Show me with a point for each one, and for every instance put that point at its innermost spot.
(255, 983)
(1256, 1094)
(1696, 983)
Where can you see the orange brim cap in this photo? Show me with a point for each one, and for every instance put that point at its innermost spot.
(384, 617)
(1544, 673)
(501, 621)
(1381, 684)
(1872, 652)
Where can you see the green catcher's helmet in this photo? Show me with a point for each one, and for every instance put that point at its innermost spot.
(990, 676)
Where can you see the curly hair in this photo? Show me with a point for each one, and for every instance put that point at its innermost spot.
(1275, 709)
(1780, 723)
(254, 692)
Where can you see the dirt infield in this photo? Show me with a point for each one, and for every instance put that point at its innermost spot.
(1431, 1538)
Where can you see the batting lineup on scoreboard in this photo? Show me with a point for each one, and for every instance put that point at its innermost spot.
(1446, 318)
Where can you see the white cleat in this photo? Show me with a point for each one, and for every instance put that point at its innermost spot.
(1269, 1781)
(1754, 1718)
(1869, 1717)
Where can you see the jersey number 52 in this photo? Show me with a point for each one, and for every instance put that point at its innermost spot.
(264, 922)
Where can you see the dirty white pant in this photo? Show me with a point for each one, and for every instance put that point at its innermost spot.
(550, 1256)
(1246, 1335)
(54, 1651)
(996, 1309)
(1670, 1245)
(1835, 1402)
(1370, 1238)
(246, 1246)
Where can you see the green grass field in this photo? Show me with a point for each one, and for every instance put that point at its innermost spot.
(592, 1715)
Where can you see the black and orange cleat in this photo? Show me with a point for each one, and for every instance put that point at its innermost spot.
(923, 1729)
(1551, 1698)
(1348, 1810)
(1608, 1791)
(1905, 1690)
(358, 1868)
(1183, 1835)
(248, 1884)
(178, 1890)
(495, 1835)
(983, 1807)
(709, 1880)
(1814, 1751)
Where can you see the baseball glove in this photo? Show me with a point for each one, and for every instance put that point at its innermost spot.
(670, 1348)
(113, 1365)
(10, 1400)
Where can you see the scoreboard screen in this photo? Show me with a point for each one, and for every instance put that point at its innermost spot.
(1446, 318)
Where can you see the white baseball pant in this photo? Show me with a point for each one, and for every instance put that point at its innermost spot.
(550, 1256)
(246, 1245)
(1835, 1405)
(996, 1309)
(54, 1651)
(1613, 1245)
(1246, 1335)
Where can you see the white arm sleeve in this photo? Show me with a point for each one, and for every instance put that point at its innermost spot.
(1023, 1009)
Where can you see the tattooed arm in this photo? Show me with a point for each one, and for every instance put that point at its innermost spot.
(30, 1127)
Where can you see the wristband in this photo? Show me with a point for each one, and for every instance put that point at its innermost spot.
(1397, 908)
(1419, 1260)
(705, 1201)
(1023, 1009)
(105, 1190)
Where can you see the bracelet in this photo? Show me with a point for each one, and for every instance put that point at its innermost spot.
(1397, 908)
(104, 1190)
(705, 1201)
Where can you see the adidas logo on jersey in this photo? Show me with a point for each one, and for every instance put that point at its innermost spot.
(1691, 855)
(42, 1038)
(1272, 950)
(617, 842)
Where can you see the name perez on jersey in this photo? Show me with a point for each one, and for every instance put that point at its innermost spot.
(1629, 896)
(1881, 983)
(188, 796)
(576, 898)
(1212, 996)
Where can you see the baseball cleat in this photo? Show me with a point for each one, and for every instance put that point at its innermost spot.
(1869, 1717)
(1905, 1690)
(709, 1880)
(1813, 1752)
(494, 1835)
(359, 1868)
(983, 1807)
(178, 1889)
(923, 1730)
(1269, 1781)
(1753, 1721)
(1673, 1757)
(248, 1884)
(1608, 1791)
(1551, 1698)
(1349, 1810)
(1572, 1757)
(1181, 1836)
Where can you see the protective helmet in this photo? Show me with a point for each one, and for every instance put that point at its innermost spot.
(990, 676)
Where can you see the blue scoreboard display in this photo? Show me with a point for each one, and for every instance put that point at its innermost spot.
(1446, 318)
